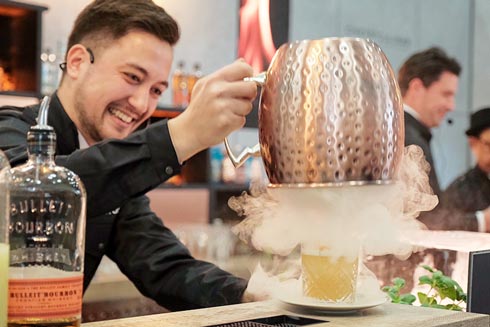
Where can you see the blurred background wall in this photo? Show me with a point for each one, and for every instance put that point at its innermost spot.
(400, 27)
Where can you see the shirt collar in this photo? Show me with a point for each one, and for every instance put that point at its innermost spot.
(411, 111)
(81, 140)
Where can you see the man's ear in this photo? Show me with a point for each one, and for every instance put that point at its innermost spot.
(416, 84)
(77, 59)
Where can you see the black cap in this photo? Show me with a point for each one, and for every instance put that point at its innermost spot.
(480, 120)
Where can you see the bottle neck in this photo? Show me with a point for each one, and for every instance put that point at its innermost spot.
(39, 158)
(41, 145)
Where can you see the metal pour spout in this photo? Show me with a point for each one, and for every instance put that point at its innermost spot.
(41, 138)
(42, 117)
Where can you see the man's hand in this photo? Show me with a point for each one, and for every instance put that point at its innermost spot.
(219, 104)
(249, 297)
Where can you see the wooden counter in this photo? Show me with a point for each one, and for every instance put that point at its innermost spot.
(385, 315)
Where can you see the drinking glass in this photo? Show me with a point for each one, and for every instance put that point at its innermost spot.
(329, 276)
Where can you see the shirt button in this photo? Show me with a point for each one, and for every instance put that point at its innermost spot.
(169, 170)
(101, 246)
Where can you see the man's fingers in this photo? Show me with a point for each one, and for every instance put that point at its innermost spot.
(236, 71)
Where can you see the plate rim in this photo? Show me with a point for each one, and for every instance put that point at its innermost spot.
(305, 302)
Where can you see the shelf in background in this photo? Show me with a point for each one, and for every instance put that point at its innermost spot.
(218, 196)
(172, 111)
(167, 112)
(229, 186)
(218, 187)
(27, 94)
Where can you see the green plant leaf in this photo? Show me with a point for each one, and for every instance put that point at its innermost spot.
(395, 296)
(423, 298)
(447, 292)
(428, 268)
(460, 294)
(437, 306)
(386, 288)
(437, 274)
(393, 292)
(425, 280)
(453, 307)
(407, 299)
(441, 287)
(447, 288)
(399, 282)
(450, 282)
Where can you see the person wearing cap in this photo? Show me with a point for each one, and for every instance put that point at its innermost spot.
(428, 83)
(468, 197)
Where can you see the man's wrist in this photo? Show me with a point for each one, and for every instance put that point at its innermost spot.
(480, 218)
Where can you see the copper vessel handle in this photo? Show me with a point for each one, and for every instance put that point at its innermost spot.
(247, 152)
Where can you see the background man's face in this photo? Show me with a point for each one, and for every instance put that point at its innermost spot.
(480, 146)
(438, 99)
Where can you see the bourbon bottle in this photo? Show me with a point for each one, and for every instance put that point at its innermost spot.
(4, 245)
(46, 232)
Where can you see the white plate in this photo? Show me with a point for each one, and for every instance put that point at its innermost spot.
(324, 306)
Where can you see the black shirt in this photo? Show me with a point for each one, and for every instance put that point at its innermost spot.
(120, 224)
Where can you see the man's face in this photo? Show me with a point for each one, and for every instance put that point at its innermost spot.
(438, 99)
(481, 150)
(120, 90)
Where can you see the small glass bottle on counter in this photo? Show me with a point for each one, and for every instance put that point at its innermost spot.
(47, 230)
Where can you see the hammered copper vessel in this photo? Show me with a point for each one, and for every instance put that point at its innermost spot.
(330, 114)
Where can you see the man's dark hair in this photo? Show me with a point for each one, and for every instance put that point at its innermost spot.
(428, 65)
(107, 20)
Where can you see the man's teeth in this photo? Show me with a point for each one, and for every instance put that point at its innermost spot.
(121, 115)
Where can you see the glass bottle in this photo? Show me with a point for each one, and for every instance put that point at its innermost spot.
(4, 244)
(192, 79)
(179, 86)
(49, 72)
(47, 229)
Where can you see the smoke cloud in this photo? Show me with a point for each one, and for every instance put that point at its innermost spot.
(335, 221)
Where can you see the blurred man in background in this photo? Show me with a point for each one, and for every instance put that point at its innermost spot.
(468, 197)
(428, 82)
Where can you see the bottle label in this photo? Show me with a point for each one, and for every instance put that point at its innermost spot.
(45, 298)
(44, 230)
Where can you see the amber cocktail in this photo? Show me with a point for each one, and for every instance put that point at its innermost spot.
(329, 278)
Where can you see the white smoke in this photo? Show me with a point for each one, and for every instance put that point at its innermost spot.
(342, 221)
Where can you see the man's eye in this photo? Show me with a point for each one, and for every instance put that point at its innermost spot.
(133, 77)
(157, 91)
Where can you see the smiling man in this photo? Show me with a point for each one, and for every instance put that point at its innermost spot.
(117, 66)
(428, 82)
(120, 89)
